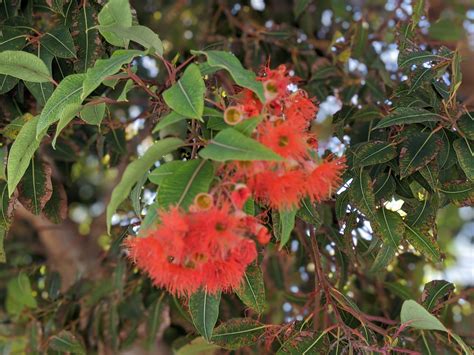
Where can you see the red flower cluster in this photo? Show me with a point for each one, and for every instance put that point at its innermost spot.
(284, 129)
(210, 245)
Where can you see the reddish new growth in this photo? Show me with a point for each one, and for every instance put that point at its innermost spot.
(210, 245)
(285, 129)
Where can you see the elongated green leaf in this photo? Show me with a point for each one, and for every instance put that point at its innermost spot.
(466, 125)
(406, 60)
(465, 153)
(204, 310)
(115, 13)
(229, 62)
(56, 209)
(154, 319)
(19, 295)
(6, 206)
(88, 42)
(238, 332)
(389, 226)
(68, 113)
(417, 151)
(384, 257)
(421, 76)
(458, 190)
(230, 144)
(248, 126)
(62, 102)
(104, 68)
(24, 66)
(135, 171)
(423, 242)
(362, 196)
(418, 317)
(435, 292)
(407, 115)
(191, 178)
(198, 345)
(299, 7)
(93, 114)
(252, 290)
(286, 224)
(59, 42)
(66, 341)
(167, 120)
(160, 173)
(21, 152)
(371, 153)
(308, 213)
(186, 97)
(304, 343)
(139, 34)
(36, 187)
(42, 91)
(402, 291)
(384, 186)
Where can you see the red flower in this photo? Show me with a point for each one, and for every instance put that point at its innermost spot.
(325, 178)
(240, 195)
(207, 249)
(250, 104)
(299, 109)
(283, 139)
(279, 189)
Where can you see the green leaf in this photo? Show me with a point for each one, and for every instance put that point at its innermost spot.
(93, 114)
(66, 341)
(88, 42)
(407, 115)
(435, 292)
(191, 178)
(19, 295)
(417, 151)
(418, 317)
(361, 194)
(304, 343)
(7, 206)
(229, 62)
(458, 190)
(407, 59)
(466, 125)
(308, 213)
(35, 187)
(42, 91)
(252, 290)
(3, 257)
(371, 153)
(21, 152)
(59, 42)
(423, 242)
(186, 97)
(286, 224)
(465, 152)
(139, 34)
(299, 7)
(167, 169)
(168, 120)
(238, 332)
(7, 83)
(154, 319)
(384, 186)
(230, 144)
(402, 291)
(197, 346)
(204, 309)
(24, 66)
(445, 29)
(104, 68)
(62, 103)
(115, 12)
(67, 115)
(390, 226)
(384, 257)
(135, 171)
(248, 126)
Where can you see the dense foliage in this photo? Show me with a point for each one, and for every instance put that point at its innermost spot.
(277, 186)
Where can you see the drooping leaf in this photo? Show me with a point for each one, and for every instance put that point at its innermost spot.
(238, 332)
(42, 91)
(135, 171)
(384, 257)
(371, 153)
(252, 290)
(384, 186)
(417, 151)
(230, 144)
(115, 13)
(180, 188)
(407, 115)
(423, 242)
(421, 76)
(21, 152)
(229, 62)
(66, 341)
(24, 66)
(93, 114)
(435, 292)
(59, 42)
(466, 125)
(286, 225)
(465, 152)
(400, 290)
(167, 120)
(186, 97)
(35, 187)
(154, 319)
(204, 309)
(389, 226)
(104, 68)
(459, 191)
(198, 345)
(139, 34)
(304, 343)
(65, 99)
(7, 206)
(362, 195)
(308, 213)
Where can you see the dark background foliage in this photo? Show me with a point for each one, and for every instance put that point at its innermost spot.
(394, 97)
